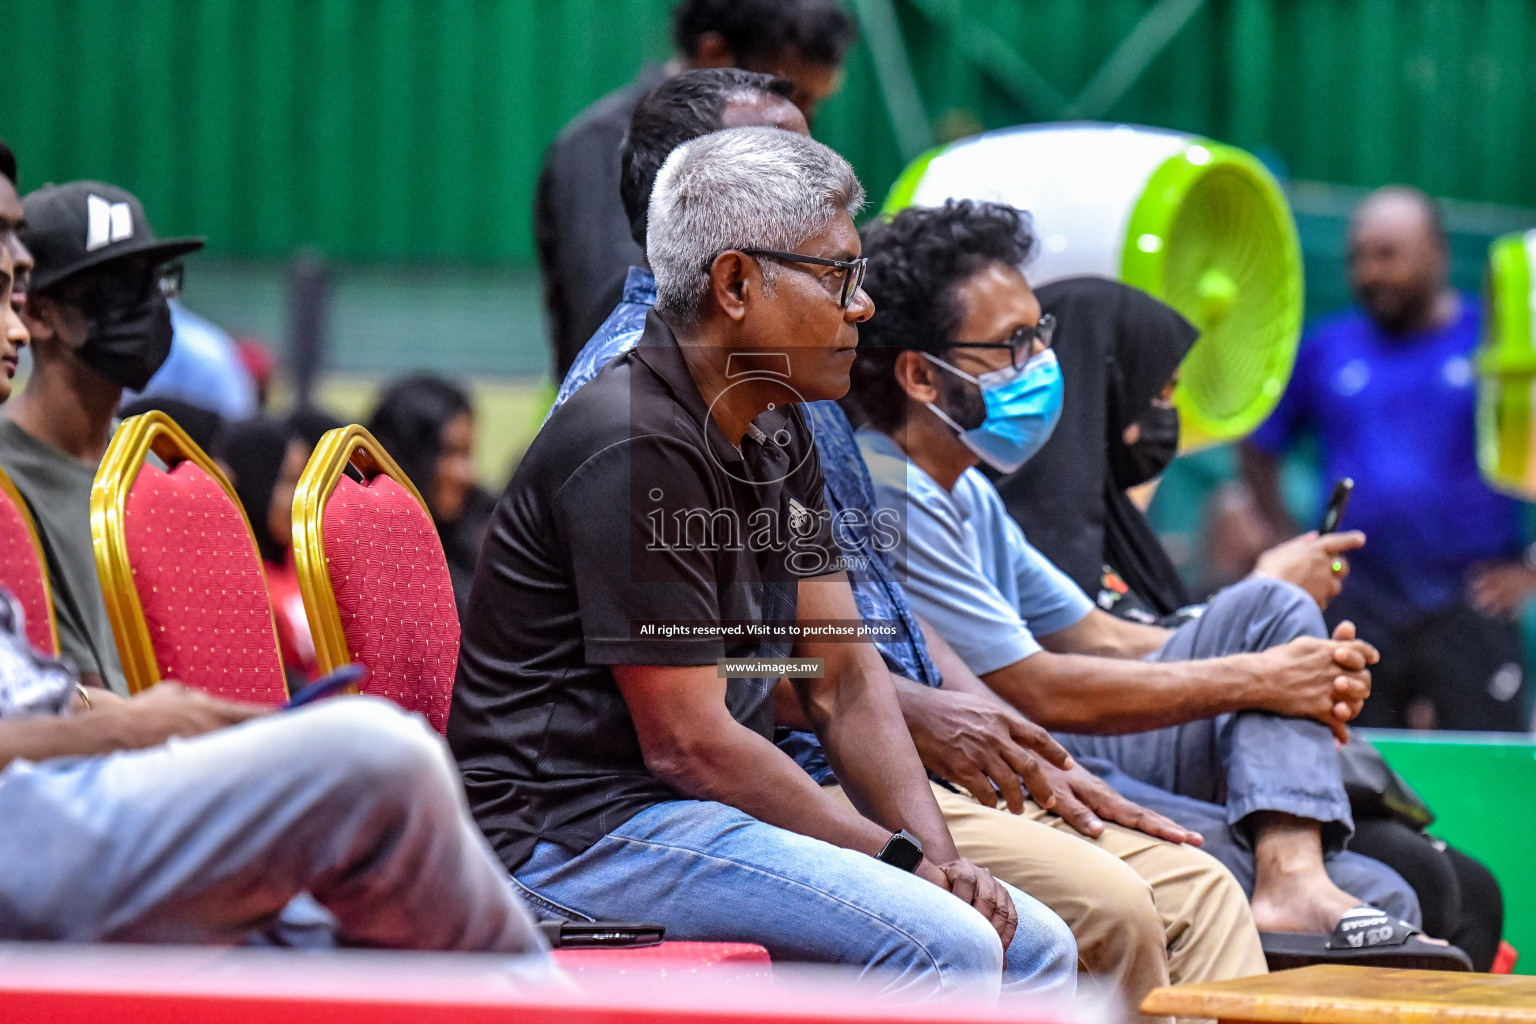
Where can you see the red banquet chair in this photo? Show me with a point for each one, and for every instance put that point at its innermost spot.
(373, 574)
(180, 570)
(24, 568)
(376, 589)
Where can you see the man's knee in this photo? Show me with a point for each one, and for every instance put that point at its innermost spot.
(1051, 946)
(963, 943)
(1281, 610)
(376, 748)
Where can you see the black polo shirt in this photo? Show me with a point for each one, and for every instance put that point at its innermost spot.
(629, 513)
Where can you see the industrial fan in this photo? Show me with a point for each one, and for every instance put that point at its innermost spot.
(1506, 364)
(1198, 224)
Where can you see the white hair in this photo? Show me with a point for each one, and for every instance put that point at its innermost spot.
(740, 188)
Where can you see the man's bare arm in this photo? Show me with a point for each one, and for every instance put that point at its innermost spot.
(1081, 799)
(690, 741)
(858, 720)
(38, 739)
(1107, 636)
(953, 670)
(167, 710)
(860, 725)
(1310, 677)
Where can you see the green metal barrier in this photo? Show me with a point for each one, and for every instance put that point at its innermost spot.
(1482, 789)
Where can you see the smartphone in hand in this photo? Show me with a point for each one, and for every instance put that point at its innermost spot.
(326, 685)
(1336, 505)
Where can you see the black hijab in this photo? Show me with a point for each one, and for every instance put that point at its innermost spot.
(254, 451)
(1118, 348)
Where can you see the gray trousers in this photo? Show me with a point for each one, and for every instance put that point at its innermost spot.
(1211, 774)
(207, 840)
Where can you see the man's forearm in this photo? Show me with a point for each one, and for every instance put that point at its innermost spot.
(38, 739)
(1107, 636)
(871, 753)
(739, 768)
(865, 738)
(953, 670)
(862, 732)
(1109, 696)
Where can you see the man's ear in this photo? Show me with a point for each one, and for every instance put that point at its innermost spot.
(916, 377)
(732, 278)
(41, 315)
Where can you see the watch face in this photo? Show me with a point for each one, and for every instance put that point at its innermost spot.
(902, 851)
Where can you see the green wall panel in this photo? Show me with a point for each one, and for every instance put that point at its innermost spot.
(1481, 788)
(411, 130)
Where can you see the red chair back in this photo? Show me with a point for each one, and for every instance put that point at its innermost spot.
(180, 570)
(24, 568)
(373, 575)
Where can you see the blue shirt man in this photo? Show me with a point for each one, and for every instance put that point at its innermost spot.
(1397, 416)
(1388, 388)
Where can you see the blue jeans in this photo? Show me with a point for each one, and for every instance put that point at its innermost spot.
(1211, 774)
(710, 872)
(210, 839)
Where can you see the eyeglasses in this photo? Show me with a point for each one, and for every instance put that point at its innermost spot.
(1021, 343)
(171, 276)
(853, 270)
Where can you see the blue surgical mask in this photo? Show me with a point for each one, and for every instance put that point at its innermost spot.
(1023, 407)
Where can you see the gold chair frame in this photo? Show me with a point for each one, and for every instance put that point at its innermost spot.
(136, 439)
(37, 549)
(345, 446)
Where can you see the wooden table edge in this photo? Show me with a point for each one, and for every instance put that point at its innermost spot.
(1194, 1001)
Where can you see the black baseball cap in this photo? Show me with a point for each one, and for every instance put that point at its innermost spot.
(84, 224)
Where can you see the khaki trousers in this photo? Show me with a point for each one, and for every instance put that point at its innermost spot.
(1145, 912)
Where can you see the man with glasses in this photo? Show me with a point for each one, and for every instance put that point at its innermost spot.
(662, 552)
(683, 107)
(1239, 708)
(97, 312)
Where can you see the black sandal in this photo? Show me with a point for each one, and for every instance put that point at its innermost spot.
(1364, 937)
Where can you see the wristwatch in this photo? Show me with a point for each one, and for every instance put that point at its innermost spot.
(903, 850)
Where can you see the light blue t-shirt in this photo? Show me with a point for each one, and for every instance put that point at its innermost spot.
(967, 568)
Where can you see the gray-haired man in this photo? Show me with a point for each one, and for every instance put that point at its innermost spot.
(670, 516)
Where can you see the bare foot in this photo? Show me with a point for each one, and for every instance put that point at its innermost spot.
(1293, 905)
(1292, 891)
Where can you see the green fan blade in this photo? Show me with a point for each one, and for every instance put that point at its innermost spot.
(1213, 237)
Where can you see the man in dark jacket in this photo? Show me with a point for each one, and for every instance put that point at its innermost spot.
(580, 228)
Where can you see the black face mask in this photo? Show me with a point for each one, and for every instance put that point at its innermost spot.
(1133, 464)
(129, 343)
